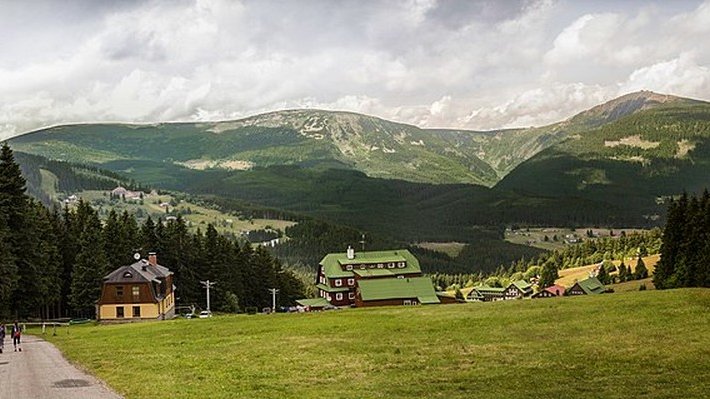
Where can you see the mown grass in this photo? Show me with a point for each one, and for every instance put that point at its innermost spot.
(651, 344)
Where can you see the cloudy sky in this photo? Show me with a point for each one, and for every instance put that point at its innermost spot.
(460, 64)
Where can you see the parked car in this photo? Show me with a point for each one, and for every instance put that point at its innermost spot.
(205, 314)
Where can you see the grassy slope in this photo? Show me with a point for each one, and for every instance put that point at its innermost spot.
(569, 276)
(612, 346)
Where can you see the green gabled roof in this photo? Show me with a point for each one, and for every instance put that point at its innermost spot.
(383, 272)
(398, 288)
(493, 290)
(332, 262)
(592, 285)
(522, 285)
(332, 289)
(313, 302)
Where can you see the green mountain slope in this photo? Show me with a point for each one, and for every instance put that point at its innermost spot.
(634, 161)
(374, 146)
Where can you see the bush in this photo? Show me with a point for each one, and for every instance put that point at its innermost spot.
(642, 287)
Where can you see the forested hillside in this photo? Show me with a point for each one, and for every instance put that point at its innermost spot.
(52, 264)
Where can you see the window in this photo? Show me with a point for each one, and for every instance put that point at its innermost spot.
(136, 292)
(407, 302)
(348, 267)
(380, 265)
(136, 311)
(390, 265)
(351, 282)
(119, 312)
(338, 297)
(338, 282)
(401, 265)
(351, 295)
(119, 290)
(127, 275)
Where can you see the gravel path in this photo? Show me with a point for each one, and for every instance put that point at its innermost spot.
(40, 371)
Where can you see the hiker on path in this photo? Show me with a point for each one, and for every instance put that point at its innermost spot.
(16, 335)
(2, 337)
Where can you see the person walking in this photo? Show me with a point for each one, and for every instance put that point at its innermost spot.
(2, 337)
(16, 335)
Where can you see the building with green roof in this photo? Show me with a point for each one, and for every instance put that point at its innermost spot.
(485, 293)
(589, 286)
(396, 291)
(518, 289)
(340, 276)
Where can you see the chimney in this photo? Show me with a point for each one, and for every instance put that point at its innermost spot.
(153, 258)
(351, 252)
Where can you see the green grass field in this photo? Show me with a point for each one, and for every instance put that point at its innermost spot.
(652, 344)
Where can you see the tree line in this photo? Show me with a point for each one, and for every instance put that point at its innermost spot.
(52, 262)
(685, 253)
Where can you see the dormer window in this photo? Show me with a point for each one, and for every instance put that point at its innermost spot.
(348, 267)
(380, 265)
(401, 265)
(390, 265)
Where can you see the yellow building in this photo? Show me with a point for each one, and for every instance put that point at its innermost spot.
(141, 291)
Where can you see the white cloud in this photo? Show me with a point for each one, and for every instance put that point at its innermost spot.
(482, 65)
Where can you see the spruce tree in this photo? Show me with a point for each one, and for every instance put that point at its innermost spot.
(90, 265)
(641, 271)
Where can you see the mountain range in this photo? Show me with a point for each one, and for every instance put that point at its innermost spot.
(612, 164)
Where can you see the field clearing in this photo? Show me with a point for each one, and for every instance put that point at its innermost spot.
(610, 346)
(535, 237)
(634, 285)
(198, 216)
(453, 249)
(569, 276)
(49, 183)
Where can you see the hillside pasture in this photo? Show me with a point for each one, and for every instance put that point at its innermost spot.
(610, 346)
(569, 276)
(196, 215)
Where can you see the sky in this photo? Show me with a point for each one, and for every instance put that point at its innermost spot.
(450, 64)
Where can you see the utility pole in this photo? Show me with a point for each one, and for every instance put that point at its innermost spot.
(273, 299)
(207, 284)
(362, 242)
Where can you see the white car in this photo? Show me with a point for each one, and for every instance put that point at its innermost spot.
(205, 314)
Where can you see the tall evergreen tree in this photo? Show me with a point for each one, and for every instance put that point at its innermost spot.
(90, 265)
(641, 271)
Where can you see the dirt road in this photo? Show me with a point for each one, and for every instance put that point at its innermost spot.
(40, 372)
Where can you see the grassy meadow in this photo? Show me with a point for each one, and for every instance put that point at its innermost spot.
(652, 344)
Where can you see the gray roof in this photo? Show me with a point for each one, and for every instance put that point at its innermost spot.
(141, 271)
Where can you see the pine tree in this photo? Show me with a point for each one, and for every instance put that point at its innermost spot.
(602, 275)
(8, 271)
(90, 265)
(641, 270)
(549, 275)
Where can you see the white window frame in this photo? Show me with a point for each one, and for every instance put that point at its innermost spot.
(401, 265)
(351, 295)
(338, 282)
(339, 296)
(391, 265)
(348, 267)
(351, 282)
(380, 265)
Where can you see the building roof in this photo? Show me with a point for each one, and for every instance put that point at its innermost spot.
(420, 288)
(332, 289)
(489, 290)
(313, 302)
(332, 263)
(383, 272)
(591, 285)
(556, 290)
(141, 271)
(522, 285)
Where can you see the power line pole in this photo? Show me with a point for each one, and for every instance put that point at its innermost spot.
(207, 284)
(273, 299)
(362, 242)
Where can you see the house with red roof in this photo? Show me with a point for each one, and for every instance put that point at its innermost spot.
(551, 291)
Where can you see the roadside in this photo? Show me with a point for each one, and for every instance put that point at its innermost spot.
(40, 371)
